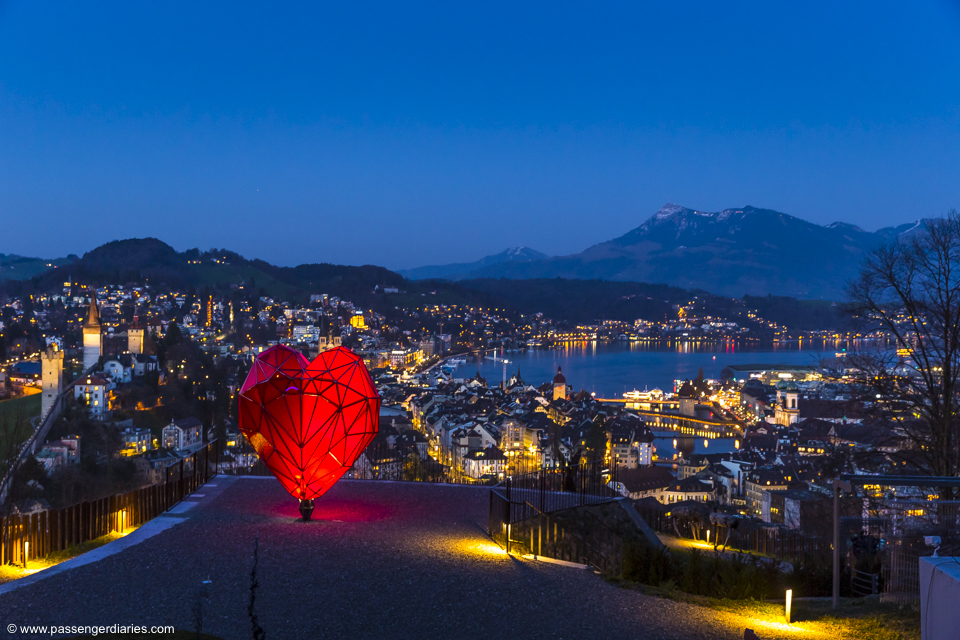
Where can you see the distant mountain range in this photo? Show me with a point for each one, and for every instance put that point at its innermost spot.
(734, 252)
(460, 270)
(220, 271)
(149, 260)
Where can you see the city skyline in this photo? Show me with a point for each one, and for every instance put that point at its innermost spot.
(203, 126)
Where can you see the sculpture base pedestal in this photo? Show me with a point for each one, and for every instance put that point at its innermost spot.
(306, 509)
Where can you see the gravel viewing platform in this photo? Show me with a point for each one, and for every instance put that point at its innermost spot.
(380, 560)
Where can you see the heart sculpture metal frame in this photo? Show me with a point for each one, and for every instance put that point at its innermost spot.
(308, 421)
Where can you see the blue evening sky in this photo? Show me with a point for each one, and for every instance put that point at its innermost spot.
(405, 134)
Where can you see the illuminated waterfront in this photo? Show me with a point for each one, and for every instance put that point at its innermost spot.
(612, 368)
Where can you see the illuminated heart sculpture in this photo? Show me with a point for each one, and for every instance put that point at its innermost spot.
(308, 421)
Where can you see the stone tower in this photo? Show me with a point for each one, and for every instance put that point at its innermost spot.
(51, 377)
(135, 337)
(92, 336)
(559, 386)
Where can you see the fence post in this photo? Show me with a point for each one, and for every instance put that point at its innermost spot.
(540, 533)
(490, 523)
(543, 488)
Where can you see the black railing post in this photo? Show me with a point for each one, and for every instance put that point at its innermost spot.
(543, 488)
(490, 524)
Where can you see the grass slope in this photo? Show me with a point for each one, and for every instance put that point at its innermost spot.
(17, 268)
(15, 418)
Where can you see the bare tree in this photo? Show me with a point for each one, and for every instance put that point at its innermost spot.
(910, 290)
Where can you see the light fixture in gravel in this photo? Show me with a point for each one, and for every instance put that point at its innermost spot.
(308, 421)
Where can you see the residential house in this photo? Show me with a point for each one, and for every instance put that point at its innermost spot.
(97, 392)
(185, 434)
(489, 462)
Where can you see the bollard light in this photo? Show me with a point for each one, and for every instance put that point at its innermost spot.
(26, 553)
(708, 536)
(789, 603)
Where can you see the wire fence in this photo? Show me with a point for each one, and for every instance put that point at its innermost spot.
(902, 524)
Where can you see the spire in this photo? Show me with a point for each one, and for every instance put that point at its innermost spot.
(93, 314)
(135, 324)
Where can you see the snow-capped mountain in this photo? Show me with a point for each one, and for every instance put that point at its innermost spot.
(743, 250)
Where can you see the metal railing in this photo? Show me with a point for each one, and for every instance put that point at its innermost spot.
(864, 584)
(521, 505)
(29, 537)
(542, 535)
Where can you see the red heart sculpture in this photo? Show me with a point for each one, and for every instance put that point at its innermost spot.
(308, 421)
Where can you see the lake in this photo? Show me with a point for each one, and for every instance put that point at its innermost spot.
(610, 369)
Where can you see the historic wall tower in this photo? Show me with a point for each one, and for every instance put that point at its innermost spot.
(51, 377)
(559, 386)
(135, 337)
(92, 336)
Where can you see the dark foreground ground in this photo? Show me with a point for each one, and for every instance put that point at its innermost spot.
(380, 560)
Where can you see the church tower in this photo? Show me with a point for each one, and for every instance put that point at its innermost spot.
(135, 337)
(559, 386)
(51, 377)
(787, 412)
(92, 336)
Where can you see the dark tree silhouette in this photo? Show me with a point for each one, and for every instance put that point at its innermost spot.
(910, 289)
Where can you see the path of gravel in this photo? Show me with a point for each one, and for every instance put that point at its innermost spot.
(381, 560)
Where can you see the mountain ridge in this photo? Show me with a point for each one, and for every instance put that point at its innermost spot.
(737, 251)
(451, 271)
(149, 260)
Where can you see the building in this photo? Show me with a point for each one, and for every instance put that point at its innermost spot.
(51, 364)
(92, 336)
(760, 481)
(697, 488)
(427, 346)
(59, 453)
(559, 386)
(96, 392)
(136, 441)
(184, 434)
(26, 372)
(644, 482)
(489, 462)
(522, 439)
(127, 366)
(786, 411)
(135, 337)
(687, 400)
(403, 358)
(305, 333)
(631, 445)
(153, 465)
